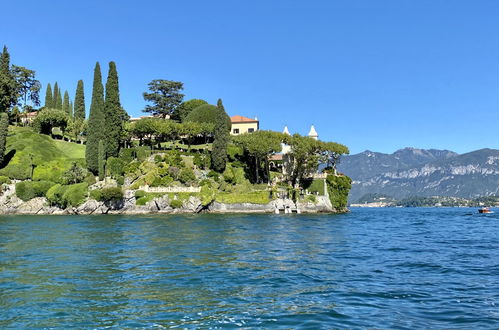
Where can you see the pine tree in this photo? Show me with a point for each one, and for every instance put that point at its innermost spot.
(102, 160)
(95, 122)
(4, 128)
(8, 85)
(48, 97)
(113, 113)
(79, 106)
(65, 104)
(219, 153)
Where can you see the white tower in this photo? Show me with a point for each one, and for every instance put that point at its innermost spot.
(313, 133)
(285, 148)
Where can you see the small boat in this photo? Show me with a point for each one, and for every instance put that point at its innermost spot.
(485, 210)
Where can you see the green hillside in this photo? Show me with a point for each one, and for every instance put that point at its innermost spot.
(48, 157)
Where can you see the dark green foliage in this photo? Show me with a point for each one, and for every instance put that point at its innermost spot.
(113, 114)
(102, 160)
(48, 97)
(214, 175)
(127, 154)
(50, 118)
(206, 113)
(185, 108)
(75, 174)
(56, 96)
(27, 190)
(219, 152)
(4, 129)
(8, 84)
(115, 167)
(187, 175)
(338, 189)
(95, 122)
(165, 96)
(107, 194)
(79, 105)
(176, 203)
(67, 195)
(28, 87)
(65, 104)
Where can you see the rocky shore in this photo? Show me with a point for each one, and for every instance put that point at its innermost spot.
(10, 204)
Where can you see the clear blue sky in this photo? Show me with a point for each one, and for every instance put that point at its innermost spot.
(377, 75)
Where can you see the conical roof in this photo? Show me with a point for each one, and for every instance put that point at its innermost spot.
(286, 131)
(313, 132)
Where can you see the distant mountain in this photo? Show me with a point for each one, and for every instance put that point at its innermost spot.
(416, 172)
(367, 164)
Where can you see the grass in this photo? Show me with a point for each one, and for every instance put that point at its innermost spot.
(26, 148)
(254, 197)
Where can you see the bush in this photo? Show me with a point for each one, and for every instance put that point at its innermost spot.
(90, 179)
(139, 194)
(27, 190)
(115, 167)
(176, 203)
(75, 174)
(187, 175)
(4, 180)
(67, 195)
(126, 154)
(214, 175)
(131, 167)
(51, 171)
(109, 194)
(158, 159)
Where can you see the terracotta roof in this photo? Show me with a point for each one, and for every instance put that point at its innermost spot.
(275, 157)
(241, 119)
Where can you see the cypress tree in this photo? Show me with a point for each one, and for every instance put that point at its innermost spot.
(113, 113)
(95, 122)
(55, 96)
(4, 128)
(8, 85)
(48, 96)
(79, 105)
(219, 153)
(71, 108)
(58, 105)
(102, 160)
(65, 104)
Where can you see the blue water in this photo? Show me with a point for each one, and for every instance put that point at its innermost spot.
(381, 268)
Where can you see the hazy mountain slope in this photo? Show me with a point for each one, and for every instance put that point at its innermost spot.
(367, 164)
(468, 175)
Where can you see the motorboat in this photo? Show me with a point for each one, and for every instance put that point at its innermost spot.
(485, 210)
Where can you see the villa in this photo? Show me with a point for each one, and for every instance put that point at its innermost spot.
(242, 125)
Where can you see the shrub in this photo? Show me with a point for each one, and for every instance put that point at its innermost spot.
(90, 178)
(75, 194)
(110, 194)
(27, 190)
(158, 159)
(131, 167)
(67, 195)
(187, 175)
(139, 194)
(142, 152)
(50, 118)
(214, 175)
(115, 167)
(126, 155)
(176, 203)
(75, 174)
(4, 180)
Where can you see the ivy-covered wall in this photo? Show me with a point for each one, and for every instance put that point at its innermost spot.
(338, 189)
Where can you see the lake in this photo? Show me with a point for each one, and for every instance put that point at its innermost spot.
(382, 268)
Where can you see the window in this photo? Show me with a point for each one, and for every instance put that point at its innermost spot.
(235, 131)
(251, 130)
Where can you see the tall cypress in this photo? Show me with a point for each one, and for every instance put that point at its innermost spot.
(8, 85)
(102, 160)
(55, 96)
(113, 113)
(219, 152)
(95, 122)
(48, 96)
(71, 108)
(79, 105)
(65, 104)
(58, 104)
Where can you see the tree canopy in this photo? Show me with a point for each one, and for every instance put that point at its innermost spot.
(165, 97)
(185, 108)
